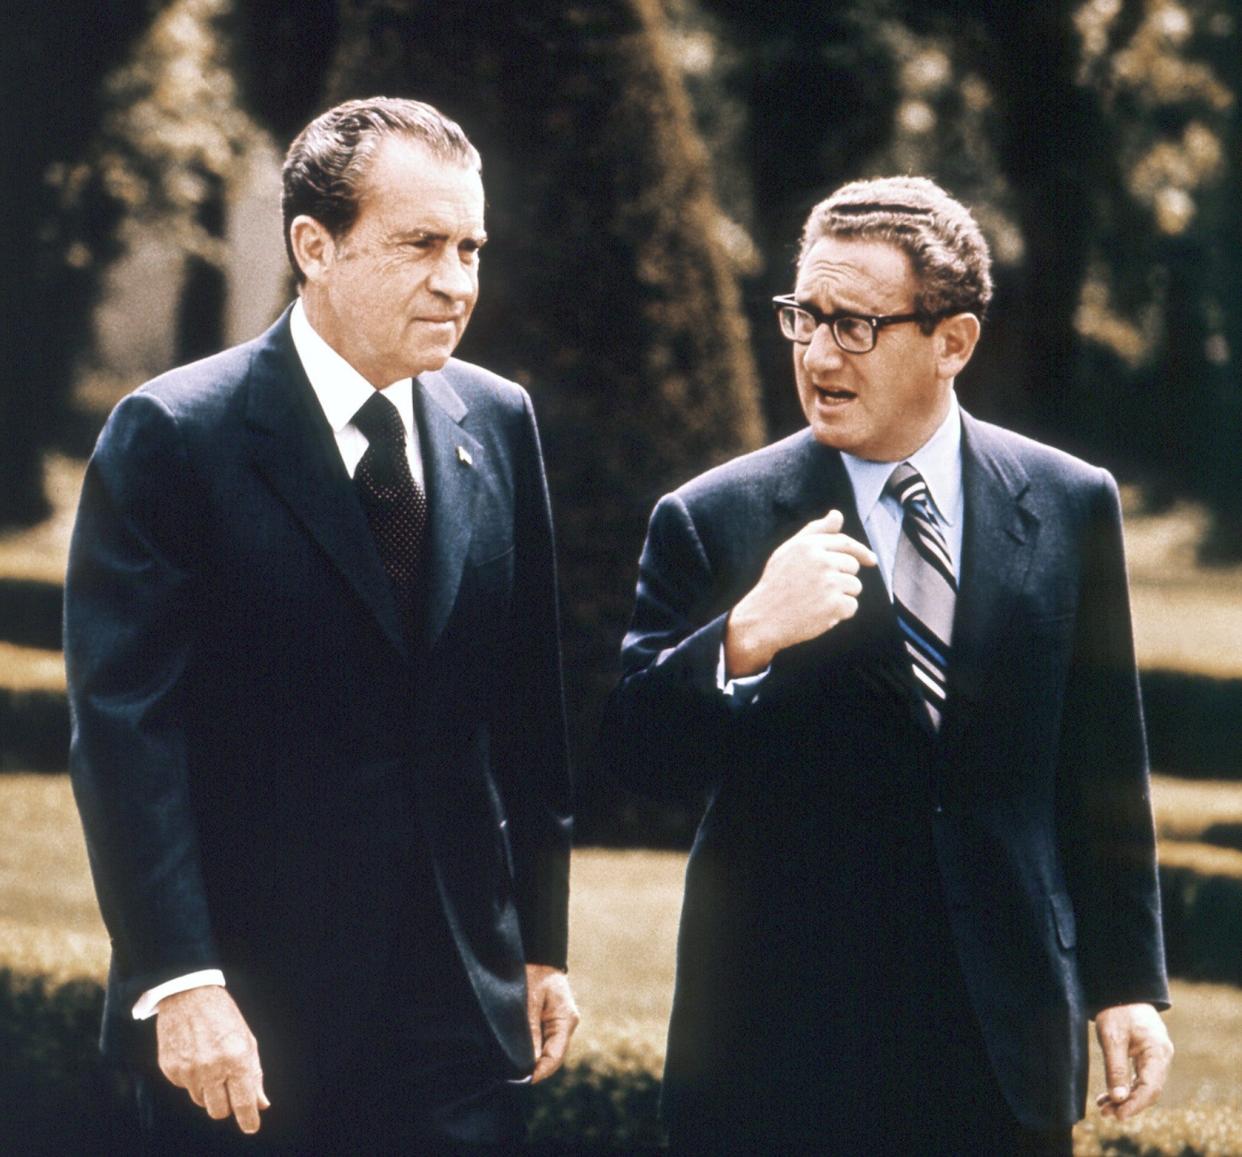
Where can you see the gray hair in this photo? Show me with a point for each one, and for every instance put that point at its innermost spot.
(326, 168)
(942, 240)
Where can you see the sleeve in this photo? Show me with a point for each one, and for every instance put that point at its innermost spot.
(129, 630)
(1108, 838)
(530, 740)
(667, 724)
(148, 1003)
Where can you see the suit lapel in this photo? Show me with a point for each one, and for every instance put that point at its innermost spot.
(292, 446)
(998, 543)
(451, 463)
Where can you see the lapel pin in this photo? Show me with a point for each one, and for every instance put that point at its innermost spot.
(463, 456)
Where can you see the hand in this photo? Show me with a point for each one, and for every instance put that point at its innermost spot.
(206, 1048)
(1132, 1032)
(808, 586)
(552, 1015)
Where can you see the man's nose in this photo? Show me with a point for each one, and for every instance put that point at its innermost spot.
(452, 278)
(822, 351)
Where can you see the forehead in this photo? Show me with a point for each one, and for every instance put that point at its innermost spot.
(844, 273)
(408, 185)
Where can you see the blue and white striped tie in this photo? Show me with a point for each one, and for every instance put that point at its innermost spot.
(924, 587)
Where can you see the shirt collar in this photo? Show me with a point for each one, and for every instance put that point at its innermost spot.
(938, 460)
(340, 388)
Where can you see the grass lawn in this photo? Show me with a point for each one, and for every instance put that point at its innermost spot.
(624, 911)
(1187, 618)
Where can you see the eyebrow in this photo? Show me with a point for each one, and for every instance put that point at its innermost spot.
(479, 238)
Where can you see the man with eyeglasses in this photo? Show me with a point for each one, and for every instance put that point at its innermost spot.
(894, 653)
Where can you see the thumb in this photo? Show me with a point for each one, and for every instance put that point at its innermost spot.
(831, 523)
(1115, 1050)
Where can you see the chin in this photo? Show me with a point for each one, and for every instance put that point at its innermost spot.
(832, 437)
(427, 362)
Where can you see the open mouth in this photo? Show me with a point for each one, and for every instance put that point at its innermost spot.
(834, 395)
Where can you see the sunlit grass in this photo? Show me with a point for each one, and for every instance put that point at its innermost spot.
(31, 669)
(1186, 808)
(39, 553)
(1187, 617)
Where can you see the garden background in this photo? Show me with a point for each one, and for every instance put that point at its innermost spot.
(648, 164)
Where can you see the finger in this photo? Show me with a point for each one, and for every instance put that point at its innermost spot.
(842, 562)
(839, 585)
(244, 1103)
(844, 545)
(216, 1101)
(264, 1103)
(830, 523)
(1142, 1096)
(851, 586)
(555, 1046)
(1152, 1072)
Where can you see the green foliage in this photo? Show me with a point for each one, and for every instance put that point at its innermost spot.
(1202, 923)
(56, 1094)
(599, 1103)
(1194, 723)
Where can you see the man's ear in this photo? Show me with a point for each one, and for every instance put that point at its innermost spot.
(312, 245)
(956, 338)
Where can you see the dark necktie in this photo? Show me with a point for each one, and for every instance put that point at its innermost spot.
(394, 503)
(924, 587)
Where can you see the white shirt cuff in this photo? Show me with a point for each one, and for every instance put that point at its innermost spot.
(744, 689)
(145, 1006)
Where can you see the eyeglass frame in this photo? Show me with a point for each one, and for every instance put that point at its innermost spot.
(876, 322)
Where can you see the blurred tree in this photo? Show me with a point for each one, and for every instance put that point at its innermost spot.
(282, 52)
(607, 286)
(1164, 285)
(794, 99)
(173, 139)
(54, 60)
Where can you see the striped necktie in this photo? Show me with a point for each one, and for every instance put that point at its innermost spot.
(924, 587)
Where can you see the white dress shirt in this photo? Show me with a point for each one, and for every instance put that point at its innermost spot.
(939, 461)
(341, 391)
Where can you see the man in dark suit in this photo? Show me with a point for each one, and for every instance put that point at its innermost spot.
(894, 650)
(313, 655)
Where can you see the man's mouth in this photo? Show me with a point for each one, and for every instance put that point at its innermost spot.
(834, 395)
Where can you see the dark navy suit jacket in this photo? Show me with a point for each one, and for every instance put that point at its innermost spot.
(1034, 793)
(255, 743)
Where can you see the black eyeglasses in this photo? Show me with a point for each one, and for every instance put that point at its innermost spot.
(852, 333)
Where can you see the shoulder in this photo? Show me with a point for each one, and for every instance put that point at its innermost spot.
(202, 393)
(756, 473)
(1042, 464)
(479, 389)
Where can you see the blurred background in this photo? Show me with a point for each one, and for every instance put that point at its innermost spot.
(648, 165)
